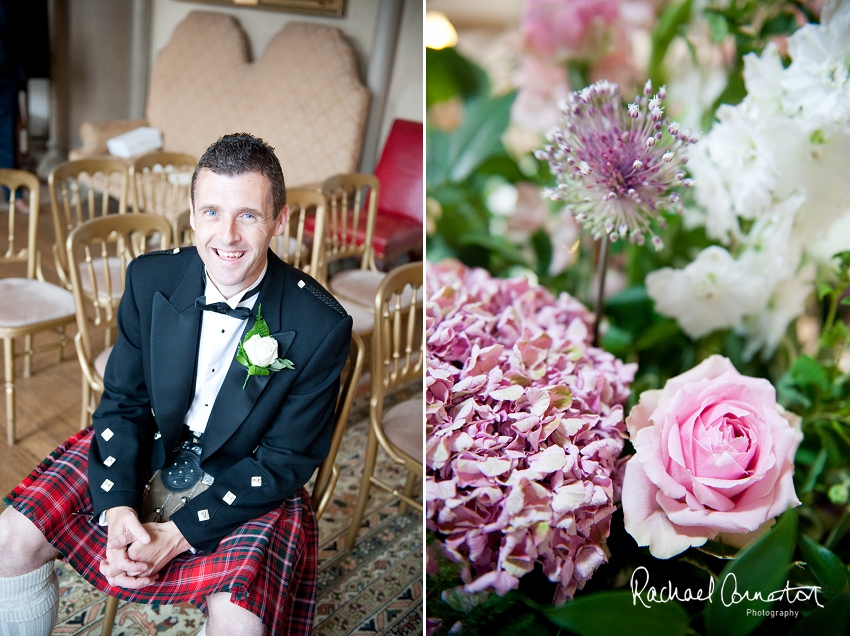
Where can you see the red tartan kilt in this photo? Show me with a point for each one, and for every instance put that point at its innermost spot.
(268, 565)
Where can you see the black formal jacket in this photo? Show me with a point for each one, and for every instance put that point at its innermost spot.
(262, 443)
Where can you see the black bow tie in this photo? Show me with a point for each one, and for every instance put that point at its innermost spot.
(241, 313)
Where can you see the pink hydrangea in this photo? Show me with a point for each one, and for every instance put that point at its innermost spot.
(525, 427)
(554, 28)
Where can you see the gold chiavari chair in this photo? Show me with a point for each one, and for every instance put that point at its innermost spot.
(397, 358)
(181, 229)
(160, 182)
(29, 304)
(352, 201)
(81, 190)
(99, 251)
(298, 245)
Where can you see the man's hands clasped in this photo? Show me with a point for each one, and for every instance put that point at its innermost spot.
(136, 551)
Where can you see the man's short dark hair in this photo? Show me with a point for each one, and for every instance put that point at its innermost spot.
(241, 153)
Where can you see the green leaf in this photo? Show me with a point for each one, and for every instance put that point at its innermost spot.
(817, 468)
(718, 25)
(759, 570)
(242, 356)
(829, 620)
(616, 613)
(659, 332)
(451, 75)
(617, 340)
(668, 25)
(542, 245)
(827, 567)
(281, 363)
(260, 325)
(496, 244)
(479, 136)
(782, 24)
(809, 373)
(437, 143)
(634, 295)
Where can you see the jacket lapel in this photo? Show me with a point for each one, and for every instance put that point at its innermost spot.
(175, 330)
(233, 404)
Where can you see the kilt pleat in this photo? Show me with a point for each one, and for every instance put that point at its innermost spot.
(268, 565)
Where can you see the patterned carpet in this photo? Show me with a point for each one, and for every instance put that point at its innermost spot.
(374, 589)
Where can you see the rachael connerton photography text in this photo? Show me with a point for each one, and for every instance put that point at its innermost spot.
(646, 594)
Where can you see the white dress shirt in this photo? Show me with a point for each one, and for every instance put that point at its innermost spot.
(220, 336)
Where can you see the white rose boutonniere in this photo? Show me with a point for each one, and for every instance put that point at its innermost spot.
(258, 351)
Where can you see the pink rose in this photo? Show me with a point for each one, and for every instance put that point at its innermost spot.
(715, 454)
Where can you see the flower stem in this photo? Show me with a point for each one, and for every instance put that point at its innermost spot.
(838, 530)
(601, 269)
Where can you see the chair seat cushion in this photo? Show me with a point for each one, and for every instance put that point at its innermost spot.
(101, 360)
(31, 302)
(395, 234)
(402, 425)
(116, 279)
(359, 285)
(364, 320)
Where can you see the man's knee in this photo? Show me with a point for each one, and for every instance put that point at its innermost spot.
(225, 618)
(22, 546)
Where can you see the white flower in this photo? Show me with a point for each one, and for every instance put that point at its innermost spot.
(763, 79)
(261, 351)
(821, 174)
(713, 292)
(818, 79)
(765, 329)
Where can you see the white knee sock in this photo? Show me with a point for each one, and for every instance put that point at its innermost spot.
(28, 603)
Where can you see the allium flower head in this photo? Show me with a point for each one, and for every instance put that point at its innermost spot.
(525, 428)
(617, 167)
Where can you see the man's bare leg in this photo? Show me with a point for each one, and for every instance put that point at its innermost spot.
(22, 546)
(226, 619)
(28, 587)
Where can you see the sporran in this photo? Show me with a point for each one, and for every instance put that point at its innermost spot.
(171, 488)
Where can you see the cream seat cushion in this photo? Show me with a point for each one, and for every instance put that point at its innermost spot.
(101, 360)
(402, 425)
(116, 279)
(28, 302)
(361, 286)
(363, 319)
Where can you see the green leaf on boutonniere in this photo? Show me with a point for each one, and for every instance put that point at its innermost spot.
(259, 328)
(281, 363)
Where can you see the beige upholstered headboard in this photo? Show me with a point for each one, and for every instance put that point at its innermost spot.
(303, 95)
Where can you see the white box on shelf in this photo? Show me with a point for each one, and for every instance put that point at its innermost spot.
(135, 142)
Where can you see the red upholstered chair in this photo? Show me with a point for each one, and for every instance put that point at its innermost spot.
(398, 224)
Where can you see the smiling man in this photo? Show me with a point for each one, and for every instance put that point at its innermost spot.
(189, 484)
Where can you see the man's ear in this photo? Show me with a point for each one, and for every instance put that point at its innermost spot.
(280, 221)
(192, 214)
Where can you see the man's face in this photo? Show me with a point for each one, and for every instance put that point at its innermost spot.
(234, 224)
